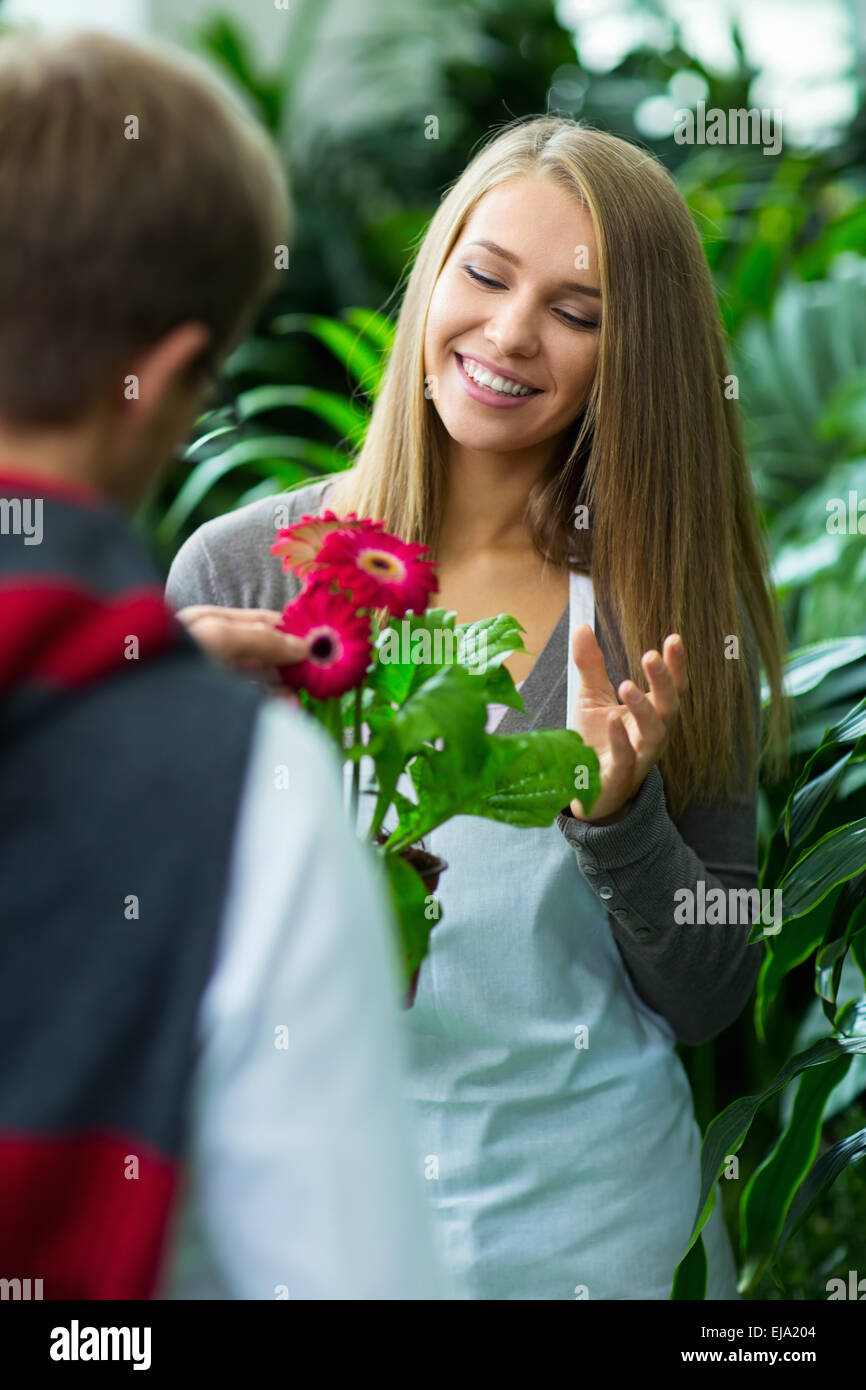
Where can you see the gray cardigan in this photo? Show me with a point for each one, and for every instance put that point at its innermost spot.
(698, 977)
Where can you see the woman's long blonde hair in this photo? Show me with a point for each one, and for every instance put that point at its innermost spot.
(657, 455)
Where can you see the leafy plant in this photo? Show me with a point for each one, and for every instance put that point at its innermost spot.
(816, 859)
(419, 685)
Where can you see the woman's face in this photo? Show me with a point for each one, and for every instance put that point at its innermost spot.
(513, 328)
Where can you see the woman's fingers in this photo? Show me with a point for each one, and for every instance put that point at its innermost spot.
(622, 751)
(664, 681)
(650, 727)
(674, 653)
(595, 686)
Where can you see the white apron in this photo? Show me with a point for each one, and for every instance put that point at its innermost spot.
(554, 1122)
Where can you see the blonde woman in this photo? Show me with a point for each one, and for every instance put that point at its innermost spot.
(554, 423)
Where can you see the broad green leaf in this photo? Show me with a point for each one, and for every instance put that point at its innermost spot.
(409, 894)
(494, 639)
(379, 329)
(790, 948)
(823, 1175)
(728, 1130)
(837, 856)
(412, 649)
(805, 806)
(845, 924)
(338, 411)
(448, 705)
(345, 342)
(499, 688)
(199, 445)
(690, 1275)
(273, 455)
(772, 1187)
(526, 780)
(808, 666)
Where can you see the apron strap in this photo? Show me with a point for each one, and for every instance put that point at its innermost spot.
(581, 609)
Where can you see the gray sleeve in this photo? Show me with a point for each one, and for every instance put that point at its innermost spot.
(696, 975)
(227, 560)
(193, 577)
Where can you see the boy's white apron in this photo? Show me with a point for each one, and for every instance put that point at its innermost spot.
(554, 1120)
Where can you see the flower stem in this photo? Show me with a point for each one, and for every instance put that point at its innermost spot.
(356, 769)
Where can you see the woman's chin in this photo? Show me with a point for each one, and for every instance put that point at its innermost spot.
(497, 434)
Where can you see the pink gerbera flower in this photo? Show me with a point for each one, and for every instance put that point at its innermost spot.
(378, 569)
(339, 642)
(298, 545)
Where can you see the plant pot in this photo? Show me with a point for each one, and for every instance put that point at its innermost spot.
(429, 868)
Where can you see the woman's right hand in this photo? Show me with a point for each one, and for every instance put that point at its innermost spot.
(246, 639)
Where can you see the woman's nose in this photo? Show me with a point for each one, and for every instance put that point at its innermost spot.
(513, 329)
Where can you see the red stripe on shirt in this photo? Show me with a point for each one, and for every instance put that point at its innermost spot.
(52, 630)
(22, 482)
(86, 1214)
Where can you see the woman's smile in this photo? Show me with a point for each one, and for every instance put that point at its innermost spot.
(490, 386)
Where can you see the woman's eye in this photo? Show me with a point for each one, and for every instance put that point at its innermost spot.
(574, 322)
(482, 279)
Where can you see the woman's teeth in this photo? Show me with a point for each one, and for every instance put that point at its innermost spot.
(501, 385)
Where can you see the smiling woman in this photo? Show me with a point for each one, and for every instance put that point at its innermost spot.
(494, 311)
(559, 354)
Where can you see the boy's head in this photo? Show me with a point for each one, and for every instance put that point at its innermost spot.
(140, 216)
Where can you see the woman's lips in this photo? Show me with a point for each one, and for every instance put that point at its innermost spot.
(486, 397)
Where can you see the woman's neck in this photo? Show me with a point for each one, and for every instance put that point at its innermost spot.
(485, 499)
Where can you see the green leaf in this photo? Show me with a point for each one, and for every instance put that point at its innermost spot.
(809, 665)
(837, 856)
(376, 327)
(199, 445)
(409, 895)
(845, 925)
(822, 1176)
(338, 411)
(728, 1130)
(449, 705)
(806, 805)
(785, 951)
(690, 1276)
(412, 649)
(346, 343)
(491, 640)
(526, 780)
(772, 1187)
(279, 455)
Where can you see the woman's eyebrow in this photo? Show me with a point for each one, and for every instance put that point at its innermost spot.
(497, 250)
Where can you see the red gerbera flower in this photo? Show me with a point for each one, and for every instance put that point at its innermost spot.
(299, 544)
(378, 569)
(340, 648)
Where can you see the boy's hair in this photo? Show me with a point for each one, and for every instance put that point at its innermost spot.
(137, 194)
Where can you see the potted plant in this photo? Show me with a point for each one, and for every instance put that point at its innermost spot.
(403, 690)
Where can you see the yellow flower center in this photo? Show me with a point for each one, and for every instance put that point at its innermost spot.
(382, 565)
